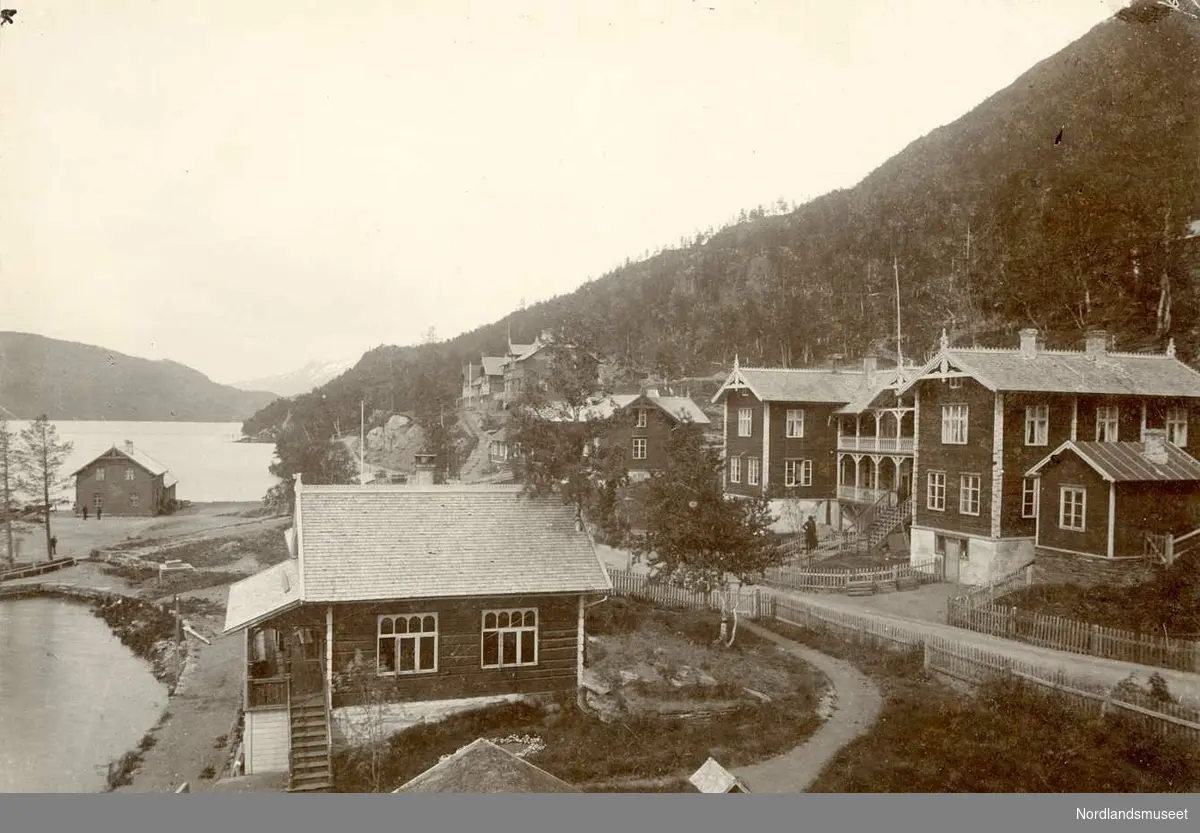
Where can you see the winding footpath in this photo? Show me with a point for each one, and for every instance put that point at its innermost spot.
(857, 702)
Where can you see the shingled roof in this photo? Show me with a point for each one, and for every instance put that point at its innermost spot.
(377, 542)
(1126, 462)
(777, 384)
(493, 365)
(483, 767)
(136, 456)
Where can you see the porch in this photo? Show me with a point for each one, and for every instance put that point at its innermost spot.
(867, 479)
(888, 430)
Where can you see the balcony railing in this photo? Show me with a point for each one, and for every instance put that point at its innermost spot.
(902, 445)
(860, 494)
(267, 692)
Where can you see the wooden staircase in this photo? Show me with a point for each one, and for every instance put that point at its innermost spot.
(885, 523)
(310, 753)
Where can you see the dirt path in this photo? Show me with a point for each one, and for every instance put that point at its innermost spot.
(472, 469)
(1184, 685)
(856, 705)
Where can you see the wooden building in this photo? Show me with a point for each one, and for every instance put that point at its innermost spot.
(985, 417)
(485, 767)
(815, 441)
(1104, 507)
(643, 422)
(124, 481)
(403, 604)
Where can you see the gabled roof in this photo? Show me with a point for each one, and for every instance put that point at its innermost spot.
(493, 365)
(263, 594)
(777, 384)
(377, 542)
(138, 458)
(483, 767)
(880, 393)
(679, 408)
(1067, 371)
(1126, 462)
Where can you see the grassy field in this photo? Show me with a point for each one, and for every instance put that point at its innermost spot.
(1005, 738)
(1171, 601)
(584, 750)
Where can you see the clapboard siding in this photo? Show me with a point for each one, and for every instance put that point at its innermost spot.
(459, 671)
(267, 741)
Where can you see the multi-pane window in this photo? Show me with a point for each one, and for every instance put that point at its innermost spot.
(129, 475)
(99, 474)
(745, 415)
(1072, 508)
(954, 424)
(641, 417)
(1037, 425)
(936, 494)
(968, 494)
(795, 422)
(797, 473)
(407, 643)
(135, 500)
(752, 471)
(1106, 424)
(510, 638)
(97, 500)
(955, 382)
(735, 469)
(1177, 424)
(639, 448)
(1029, 497)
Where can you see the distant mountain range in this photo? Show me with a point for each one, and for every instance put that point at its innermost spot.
(312, 375)
(70, 381)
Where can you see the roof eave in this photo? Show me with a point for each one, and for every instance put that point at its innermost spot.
(262, 617)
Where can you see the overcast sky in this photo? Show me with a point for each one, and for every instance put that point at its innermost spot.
(245, 185)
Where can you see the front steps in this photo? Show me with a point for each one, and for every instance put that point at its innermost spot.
(311, 768)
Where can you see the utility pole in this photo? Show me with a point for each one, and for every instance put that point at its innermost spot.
(362, 441)
(899, 348)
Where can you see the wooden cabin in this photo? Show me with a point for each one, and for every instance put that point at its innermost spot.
(403, 604)
(124, 482)
(1112, 511)
(642, 424)
(986, 416)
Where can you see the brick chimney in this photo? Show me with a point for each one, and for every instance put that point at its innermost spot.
(1095, 343)
(651, 392)
(1155, 451)
(1029, 342)
(426, 463)
(129, 446)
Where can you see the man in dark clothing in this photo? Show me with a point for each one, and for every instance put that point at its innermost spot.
(85, 513)
(53, 545)
(810, 534)
(99, 512)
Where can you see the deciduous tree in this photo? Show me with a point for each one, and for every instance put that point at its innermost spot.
(318, 461)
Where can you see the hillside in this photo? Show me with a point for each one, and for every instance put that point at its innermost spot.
(312, 375)
(991, 224)
(66, 380)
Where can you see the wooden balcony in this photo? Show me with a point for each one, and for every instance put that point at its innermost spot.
(889, 445)
(861, 494)
(267, 692)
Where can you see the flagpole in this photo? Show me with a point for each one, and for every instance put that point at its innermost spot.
(362, 441)
(899, 349)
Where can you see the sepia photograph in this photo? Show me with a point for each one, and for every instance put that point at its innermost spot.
(626, 397)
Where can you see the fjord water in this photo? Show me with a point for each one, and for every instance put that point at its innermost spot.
(203, 456)
(72, 697)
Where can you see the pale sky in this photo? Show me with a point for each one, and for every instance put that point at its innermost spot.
(245, 185)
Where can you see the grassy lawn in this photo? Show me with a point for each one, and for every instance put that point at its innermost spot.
(637, 741)
(145, 579)
(1005, 738)
(1170, 601)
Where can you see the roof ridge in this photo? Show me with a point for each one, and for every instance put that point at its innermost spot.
(1060, 351)
(848, 371)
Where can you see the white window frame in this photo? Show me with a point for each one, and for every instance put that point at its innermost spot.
(129, 473)
(1073, 492)
(797, 472)
(1177, 426)
(935, 491)
(954, 424)
(1107, 416)
(970, 491)
(1029, 497)
(794, 425)
(97, 500)
(753, 466)
(745, 422)
(641, 418)
(1037, 425)
(135, 500)
(735, 469)
(396, 638)
(502, 630)
(806, 469)
(100, 474)
(639, 448)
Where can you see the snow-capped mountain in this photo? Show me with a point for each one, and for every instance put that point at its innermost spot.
(314, 374)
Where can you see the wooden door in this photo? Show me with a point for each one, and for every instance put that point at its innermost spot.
(306, 662)
(951, 560)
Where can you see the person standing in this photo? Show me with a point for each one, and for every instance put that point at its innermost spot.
(810, 534)
(53, 545)
(99, 512)
(85, 513)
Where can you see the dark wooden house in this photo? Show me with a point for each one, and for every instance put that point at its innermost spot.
(404, 604)
(1103, 508)
(124, 481)
(642, 423)
(985, 417)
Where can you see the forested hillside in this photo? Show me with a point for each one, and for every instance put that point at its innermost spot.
(1061, 202)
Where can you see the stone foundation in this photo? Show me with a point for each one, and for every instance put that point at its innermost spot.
(1050, 567)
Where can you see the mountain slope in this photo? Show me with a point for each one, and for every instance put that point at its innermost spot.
(67, 380)
(989, 222)
(312, 375)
